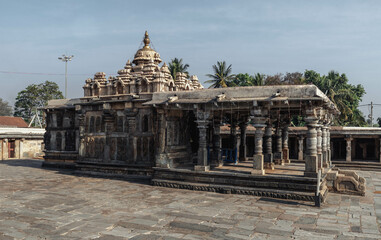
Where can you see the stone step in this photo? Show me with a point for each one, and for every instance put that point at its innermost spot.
(363, 167)
(114, 170)
(230, 189)
(287, 183)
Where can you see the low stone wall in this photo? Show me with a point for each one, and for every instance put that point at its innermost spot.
(32, 149)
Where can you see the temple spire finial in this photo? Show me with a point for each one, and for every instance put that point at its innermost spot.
(146, 40)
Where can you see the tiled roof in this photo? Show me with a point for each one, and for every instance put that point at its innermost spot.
(6, 121)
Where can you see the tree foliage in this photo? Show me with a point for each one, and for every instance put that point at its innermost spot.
(259, 79)
(335, 86)
(222, 76)
(176, 65)
(347, 97)
(35, 96)
(244, 79)
(294, 78)
(5, 109)
(379, 121)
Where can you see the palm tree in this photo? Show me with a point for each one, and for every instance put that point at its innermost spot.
(258, 80)
(222, 76)
(176, 65)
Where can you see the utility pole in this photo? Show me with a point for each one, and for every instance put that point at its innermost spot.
(65, 59)
(371, 114)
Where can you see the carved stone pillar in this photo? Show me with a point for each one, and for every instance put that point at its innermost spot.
(202, 125)
(53, 140)
(259, 124)
(109, 121)
(217, 143)
(324, 146)
(319, 145)
(80, 137)
(161, 159)
(348, 157)
(242, 146)
(161, 130)
(329, 150)
(380, 150)
(132, 141)
(285, 150)
(311, 159)
(300, 147)
(268, 148)
(278, 155)
(233, 134)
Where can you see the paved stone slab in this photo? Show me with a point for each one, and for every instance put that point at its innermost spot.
(38, 203)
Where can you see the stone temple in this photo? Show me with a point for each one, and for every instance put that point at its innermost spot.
(145, 123)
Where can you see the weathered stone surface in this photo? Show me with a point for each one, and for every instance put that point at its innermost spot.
(83, 207)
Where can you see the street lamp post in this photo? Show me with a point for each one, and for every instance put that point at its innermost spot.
(65, 59)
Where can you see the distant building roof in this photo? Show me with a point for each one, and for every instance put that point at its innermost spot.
(8, 122)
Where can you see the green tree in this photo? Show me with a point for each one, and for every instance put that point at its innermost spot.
(244, 79)
(35, 96)
(258, 80)
(295, 78)
(276, 79)
(222, 76)
(5, 109)
(379, 121)
(346, 96)
(176, 65)
(241, 80)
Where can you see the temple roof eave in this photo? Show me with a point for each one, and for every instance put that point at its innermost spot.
(269, 94)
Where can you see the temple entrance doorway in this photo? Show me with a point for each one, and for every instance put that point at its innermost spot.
(338, 148)
(365, 149)
(11, 149)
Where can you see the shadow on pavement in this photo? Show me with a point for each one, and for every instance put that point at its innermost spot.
(33, 163)
(37, 163)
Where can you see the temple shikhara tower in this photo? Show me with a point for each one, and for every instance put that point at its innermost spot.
(143, 75)
(143, 122)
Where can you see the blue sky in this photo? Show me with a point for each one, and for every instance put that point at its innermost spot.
(254, 36)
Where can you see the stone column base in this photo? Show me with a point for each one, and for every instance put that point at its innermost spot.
(329, 157)
(269, 166)
(258, 165)
(325, 160)
(320, 160)
(286, 158)
(311, 166)
(200, 168)
(278, 158)
(300, 156)
(268, 161)
(257, 172)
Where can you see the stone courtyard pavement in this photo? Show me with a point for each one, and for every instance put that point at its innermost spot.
(39, 203)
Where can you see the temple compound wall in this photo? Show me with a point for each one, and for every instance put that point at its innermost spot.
(145, 122)
(21, 143)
